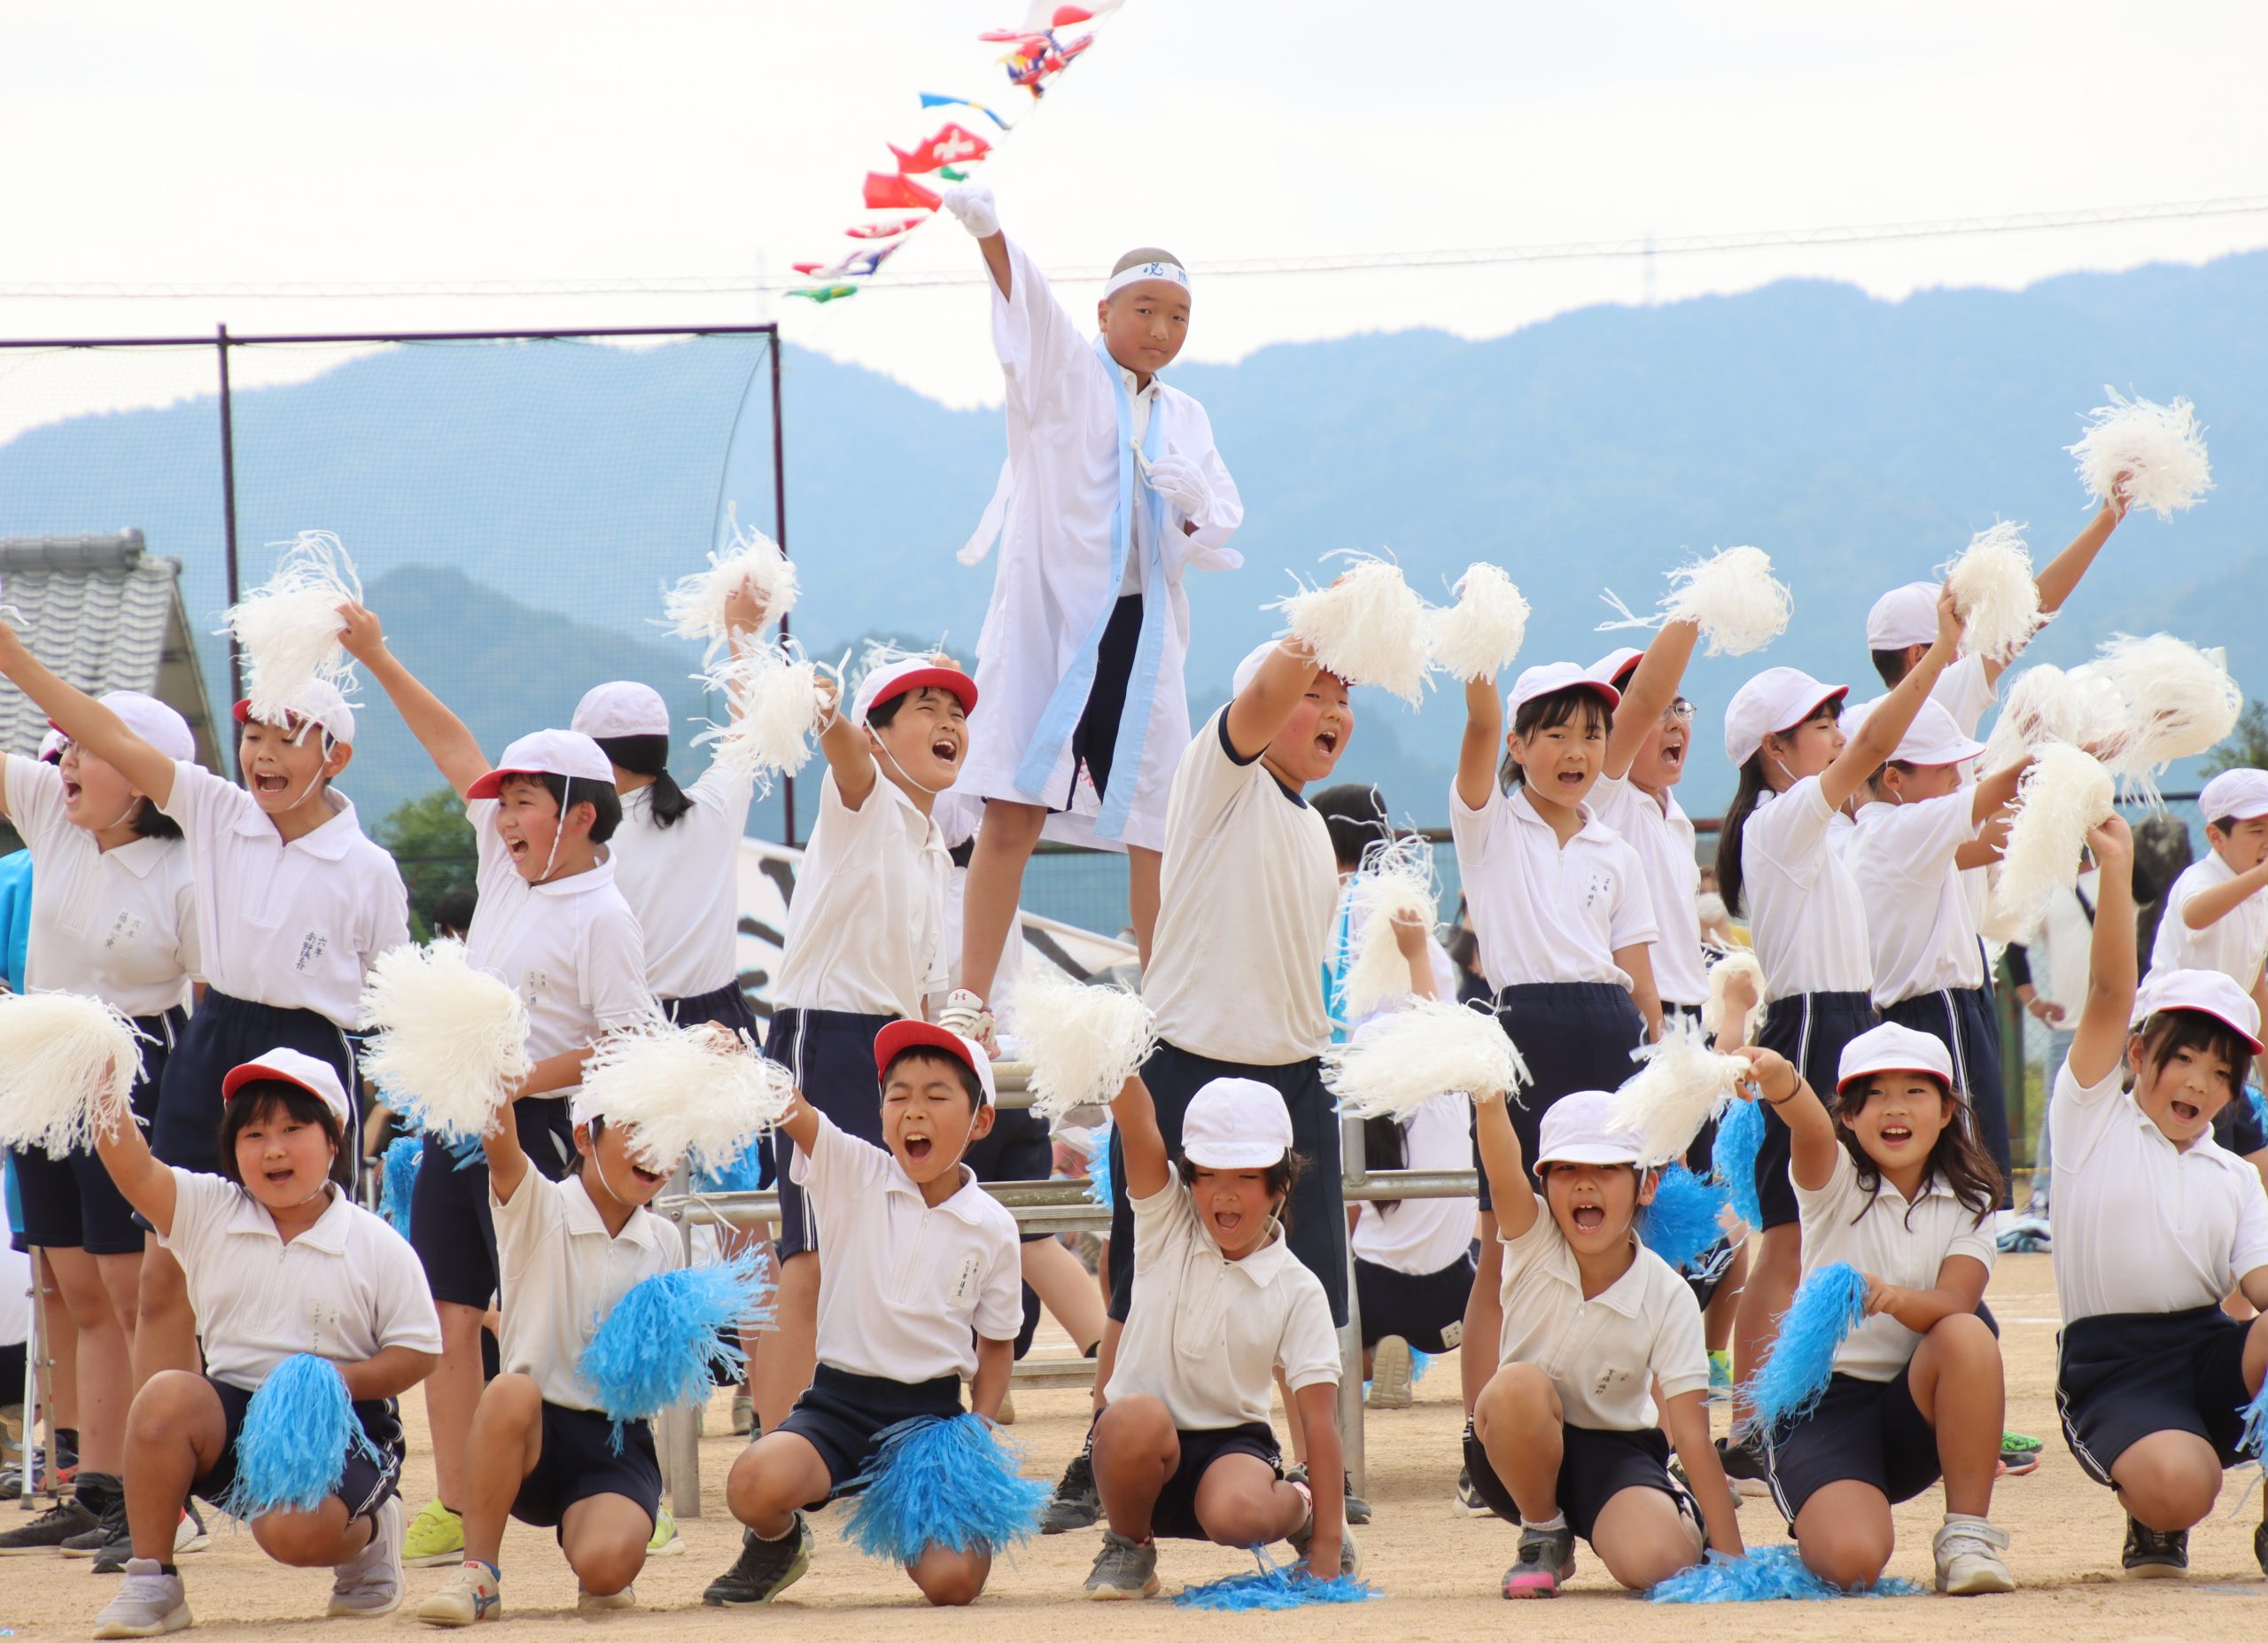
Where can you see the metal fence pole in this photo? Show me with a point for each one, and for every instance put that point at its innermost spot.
(228, 513)
(780, 535)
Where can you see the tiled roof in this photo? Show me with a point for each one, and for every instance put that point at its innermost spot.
(107, 614)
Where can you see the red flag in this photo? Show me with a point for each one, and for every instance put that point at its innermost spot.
(885, 230)
(954, 145)
(888, 189)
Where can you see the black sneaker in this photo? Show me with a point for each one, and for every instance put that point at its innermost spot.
(1744, 1465)
(2155, 1554)
(2260, 1547)
(49, 1531)
(105, 1496)
(1469, 1503)
(1546, 1562)
(1357, 1511)
(764, 1570)
(1076, 1504)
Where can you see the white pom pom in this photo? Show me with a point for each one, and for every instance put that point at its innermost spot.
(1678, 1087)
(1478, 636)
(2063, 794)
(289, 628)
(1735, 965)
(447, 1041)
(696, 606)
(700, 1092)
(781, 711)
(1368, 628)
(1401, 1061)
(2159, 448)
(1396, 880)
(1084, 1042)
(68, 1067)
(2178, 701)
(1731, 597)
(1993, 590)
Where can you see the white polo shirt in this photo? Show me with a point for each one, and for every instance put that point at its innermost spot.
(1806, 915)
(2140, 1226)
(1205, 1335)
(1421, 1236)
(120, 924)
(347, 1288)
(292, 926)
(560, 1274)
(1247, 893)
(1542, 912)
(683, 882)
(1963, 691)
(2234, 943)
(1885, 1237)
(1604, 1354)
(905, 1290)
(1920, 923)
(1662, 834)
(866, 924)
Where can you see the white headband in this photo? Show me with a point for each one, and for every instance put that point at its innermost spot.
(1141, 271)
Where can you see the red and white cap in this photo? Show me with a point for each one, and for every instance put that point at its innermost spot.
(2235, 795)
(2205, 991)
(1891, 1048)
(624, 707)
(900, 1036)
(1610, 668)
(1547, 677)
(51, 745)
(1932, 739)
(319, 1078)
(1903, 616)
(1777, 699)
(1579, 1129)
(892, 680)
(316, 702)
(1236, 1124)
(548, 753)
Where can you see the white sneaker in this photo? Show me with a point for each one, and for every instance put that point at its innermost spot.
(1390, 1378)
(371, 1585)
(966, 1014)
(591, 1603)
(1968, 1553)
(150, 1602)
(470, 1593)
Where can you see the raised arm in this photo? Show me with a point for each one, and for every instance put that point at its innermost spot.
(1887, 725)
(1812, 1143)
(1988, 811)
(1264, 706)
(974, 205)
(508, 1164)
(2099, 1043)
(2211, 905)
(1141, 1145)
(87, 721)
(443, 735)
(2061, 575)
(1483, 742)
(1501, 1160)
(135, 1171)
(849, 760)
(1652, 689)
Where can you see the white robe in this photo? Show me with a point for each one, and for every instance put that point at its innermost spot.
(1056, 584)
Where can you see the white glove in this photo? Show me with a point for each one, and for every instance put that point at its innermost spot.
(1182, 482)
(972, 203)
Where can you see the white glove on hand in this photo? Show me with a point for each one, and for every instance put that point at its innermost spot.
(1182, 482)
(972, 203)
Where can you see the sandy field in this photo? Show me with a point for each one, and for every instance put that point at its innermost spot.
(1438, 1571)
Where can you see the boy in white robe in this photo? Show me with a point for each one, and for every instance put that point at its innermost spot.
(1112, 490)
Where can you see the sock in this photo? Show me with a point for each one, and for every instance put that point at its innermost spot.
(494, 1573)
(1547, 1525)
(774, 1540)
(168, 1569)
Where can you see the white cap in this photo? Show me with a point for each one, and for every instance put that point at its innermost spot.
(1777, 699)
(1615, 663)
(1932, 739)
(1893, 1048)
(156, 723)
(894, 679)
(1579, 1129)
(2238, 795)
(1904, 616)
(1547, 677)
(623, 708)
(1236, 1124)
(319, 1078)
(548, 753)
(318, 702)
(900, 1036)
(51, 745)
(2208, 992)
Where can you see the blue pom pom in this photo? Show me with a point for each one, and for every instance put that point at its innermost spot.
(465, 1152)
(656, 1348)
(404, 1154)
(1099, 1170)
(742, 1172)
(948, 1484)
(1740, 1136)
(1273, 1587)
(1681, 1224)
(1419, 1362)
(299, 1431)
(2259, 1107)
(2253, 1439)
(1829, 1303)
(1765, 1573)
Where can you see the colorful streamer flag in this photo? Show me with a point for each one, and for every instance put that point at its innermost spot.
(953, 144)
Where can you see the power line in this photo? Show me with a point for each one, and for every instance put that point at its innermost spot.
(1332, 262)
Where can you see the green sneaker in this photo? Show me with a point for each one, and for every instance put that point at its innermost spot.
(666, 1541)
(436, 1538)
(1720, 1375)
(2019, 1454)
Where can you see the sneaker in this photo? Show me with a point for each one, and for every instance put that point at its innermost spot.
(743, 1416)
(2019, 1454)
(1390, 1369)
(2152, 1554)
(1546, 1561)
(370, 1583)
(1076, 1504)
(2260, 1547)
(1968, 1554)
(591, 1603)
(1350, 1559)
(666, 1541)
(1469, 1503)
(1720, 1375)
(103, 1494)
(1124, 1569)
(49, 1531)
(1356, 1510)
(764, 1570)
(1743, 1468)
(189, 1535)
(966, 1014)
(436, 1537)
(473, 1591)
(1008, 1416)
(148, 1603)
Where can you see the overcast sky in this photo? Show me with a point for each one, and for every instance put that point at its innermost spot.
(424, 141)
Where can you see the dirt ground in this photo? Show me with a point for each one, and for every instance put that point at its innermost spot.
(1438, 1571)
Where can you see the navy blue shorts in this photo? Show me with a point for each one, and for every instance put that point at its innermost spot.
(1963, 1019)
(224, 1033)
(1019, 1148)
(1594, 1466)
(1573, 1035)
(1315, 1219)
(2121, 1376)
(578, 1461)
(1869, 1432)
(840, 1415)
(1424, 1309)
(71, 1201)
(2237, 1127)
(367, 1484)
(1173, 1517)
(1809, 1029)
(831, 1055)
(450, 1226)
